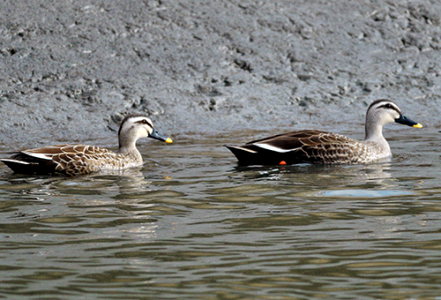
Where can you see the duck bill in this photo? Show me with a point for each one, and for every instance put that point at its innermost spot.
(161, 137)
(406, 121)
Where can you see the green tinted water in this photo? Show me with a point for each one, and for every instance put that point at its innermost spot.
(190, 224)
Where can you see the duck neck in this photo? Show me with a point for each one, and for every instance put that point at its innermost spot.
(127, 147)
(374, 134)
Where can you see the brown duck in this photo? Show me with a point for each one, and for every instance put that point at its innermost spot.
(315, 146)
(72, 159)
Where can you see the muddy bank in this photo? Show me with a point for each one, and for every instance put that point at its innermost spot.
(70, 70)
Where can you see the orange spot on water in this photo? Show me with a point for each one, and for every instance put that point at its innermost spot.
(282, 163)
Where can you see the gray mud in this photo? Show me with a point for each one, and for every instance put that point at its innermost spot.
(71, 69)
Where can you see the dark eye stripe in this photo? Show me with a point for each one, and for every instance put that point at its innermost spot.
(389, 106)
(145, 122)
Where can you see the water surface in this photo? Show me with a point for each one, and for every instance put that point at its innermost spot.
(191, 224)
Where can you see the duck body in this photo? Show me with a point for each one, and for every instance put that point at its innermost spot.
(78, 159)
(308, 146)
(69, 160)
(321, 147)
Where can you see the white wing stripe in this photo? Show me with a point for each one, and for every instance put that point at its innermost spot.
(15, 161)
(245, 149)
(274, 148)
(39, 155)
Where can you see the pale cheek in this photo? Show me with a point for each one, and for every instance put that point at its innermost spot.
(143, 133)
(389, 119)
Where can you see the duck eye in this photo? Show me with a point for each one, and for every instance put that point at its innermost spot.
(388, 106)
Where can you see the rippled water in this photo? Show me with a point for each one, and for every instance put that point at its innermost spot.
(191, 224)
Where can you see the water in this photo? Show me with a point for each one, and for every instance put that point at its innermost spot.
(190, 224)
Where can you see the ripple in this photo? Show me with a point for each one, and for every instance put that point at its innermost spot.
(360, 193)
(194, 226)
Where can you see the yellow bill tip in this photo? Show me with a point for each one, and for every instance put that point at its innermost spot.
(169, 140)
(418, 125)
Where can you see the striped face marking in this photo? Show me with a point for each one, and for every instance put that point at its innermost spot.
(389, 106)
(384, 104)
(144, 121)
(384, 111)
(132, 121)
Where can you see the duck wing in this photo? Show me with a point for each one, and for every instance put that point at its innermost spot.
(303, 146)
(34, 161)
(64, 159)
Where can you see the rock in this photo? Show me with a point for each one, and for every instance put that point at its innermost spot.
(70, 69)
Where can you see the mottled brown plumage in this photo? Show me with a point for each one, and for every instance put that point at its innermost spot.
(84, 159)
(315, 146)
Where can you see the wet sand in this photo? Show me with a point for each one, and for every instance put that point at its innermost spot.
(71, 70)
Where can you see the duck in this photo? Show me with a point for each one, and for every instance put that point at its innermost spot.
(79, 159)
(322, 147)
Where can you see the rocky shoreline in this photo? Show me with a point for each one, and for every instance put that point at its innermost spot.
(71, 70)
